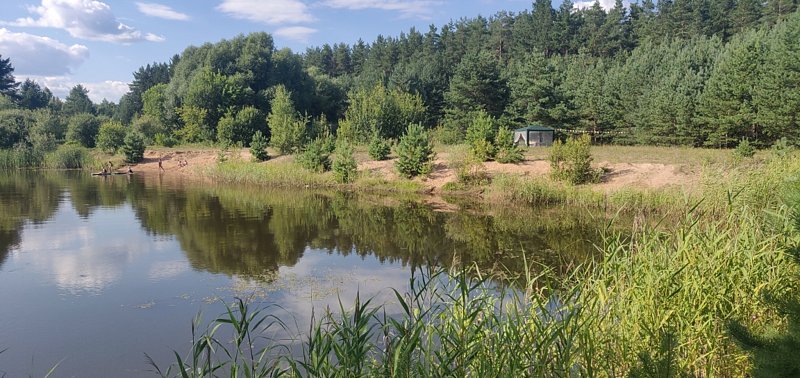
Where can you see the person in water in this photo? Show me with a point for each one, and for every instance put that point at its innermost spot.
(160, 166)
(129, 169)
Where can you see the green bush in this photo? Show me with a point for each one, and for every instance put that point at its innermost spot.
(378, 148)
(414, 152)
(315, 157)
(258, 147)
(68, 156)
(505, 150)
(744, 149)
(345, 168)
(239, 127)
(481, 135)
(133, 147)
(781, 147)
(572, 161)
(111, 136)
(83, 129)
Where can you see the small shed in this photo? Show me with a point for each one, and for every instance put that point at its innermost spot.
(534, 135)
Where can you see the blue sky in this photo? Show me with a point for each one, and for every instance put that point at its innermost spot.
(100, 44)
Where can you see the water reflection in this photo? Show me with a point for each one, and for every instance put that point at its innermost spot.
(252, 232)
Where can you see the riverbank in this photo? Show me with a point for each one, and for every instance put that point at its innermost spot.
(625, 167)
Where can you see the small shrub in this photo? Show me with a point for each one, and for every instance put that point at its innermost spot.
(481, 135)
(414, 152)
(506, 151)
(315, 157)
(471, 172)
(572, 161)
(744, 149)
(111, 136)
(378, 148)
(345, 168)
(781, 147)
(133, 149)
(258, 147)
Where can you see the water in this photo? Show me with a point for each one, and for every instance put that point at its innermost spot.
(95, 272)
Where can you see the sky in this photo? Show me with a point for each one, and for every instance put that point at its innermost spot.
(99, 44)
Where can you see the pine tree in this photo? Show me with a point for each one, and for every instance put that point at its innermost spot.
(777, 95)
(476, 85)
(78, 101)
(8, 85)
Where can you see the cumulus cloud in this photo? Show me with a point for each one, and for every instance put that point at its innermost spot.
(273, 12)
(408, 8)
(36, 55)
(161, 11)
(110, 90)
(85, 19)
(296, 33)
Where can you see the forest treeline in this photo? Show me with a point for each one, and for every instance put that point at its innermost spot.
(681, 72)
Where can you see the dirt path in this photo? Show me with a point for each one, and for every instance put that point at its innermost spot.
(618, 176)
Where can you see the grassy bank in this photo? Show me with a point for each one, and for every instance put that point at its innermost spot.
(288, 173)
(658, 302)
(64, 157)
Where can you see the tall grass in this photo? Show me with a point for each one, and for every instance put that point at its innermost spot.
(17, 158)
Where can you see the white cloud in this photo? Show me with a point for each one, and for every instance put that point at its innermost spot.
(408, 8)
(296, 33)
(161, 11)
(36, 55)
(606, 4)
(110, 90)
(273, 12)
(86, 19)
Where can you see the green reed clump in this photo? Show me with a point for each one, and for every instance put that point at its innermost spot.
(69, 156)
(20, 157)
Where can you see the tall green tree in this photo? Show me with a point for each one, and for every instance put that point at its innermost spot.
(78, 101)
(476, 85)
(8, 85)
(32, 96)
(777, 96)
(287, 129)
(726, 108)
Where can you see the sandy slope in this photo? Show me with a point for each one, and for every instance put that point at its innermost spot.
(619, 175)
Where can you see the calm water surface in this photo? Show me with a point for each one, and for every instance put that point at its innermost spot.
(95, 272)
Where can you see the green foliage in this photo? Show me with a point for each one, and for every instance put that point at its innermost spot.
(287, 128)
(781, 147)
(154, 104)
(572, 161)
(481, 135)
(345, 169)
(744, 149)
(195, 125)
(78, 102)
(8, 84)
(477, 84)
(239, 127)
(506, 151)
(14, 126)
(316, 156)
(414, 152)
(378, 148)
(82, 129)
(379, 110)
(68, 156)
(111, 136)
(133, 147)
(165, 140)
(258, 146)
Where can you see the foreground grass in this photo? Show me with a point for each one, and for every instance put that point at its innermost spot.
(658, 303)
